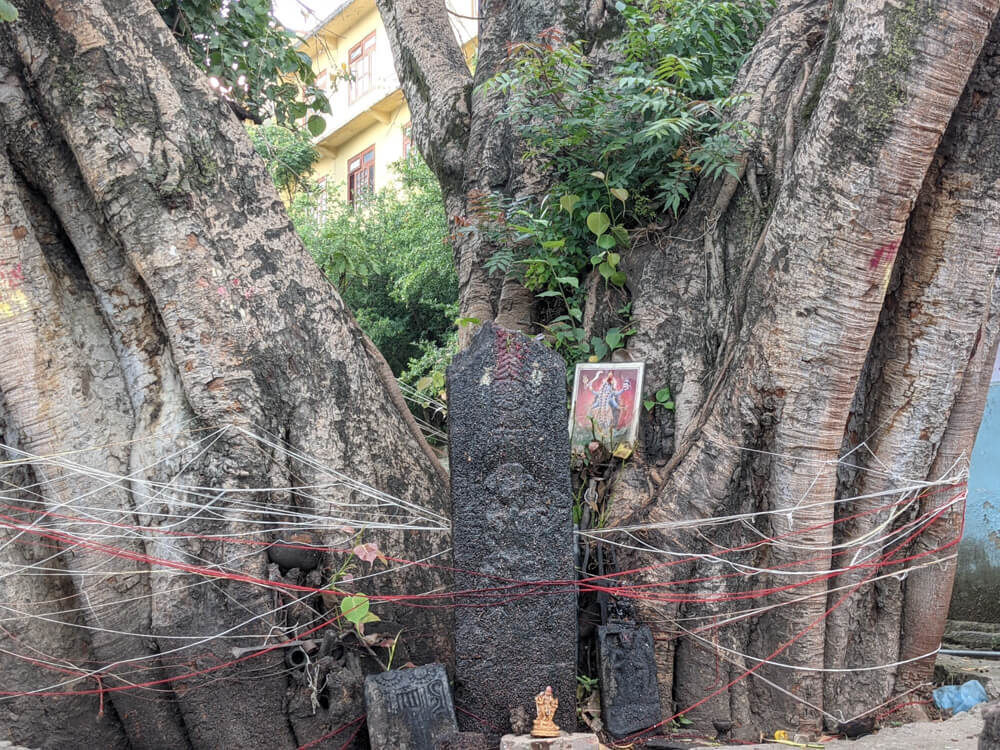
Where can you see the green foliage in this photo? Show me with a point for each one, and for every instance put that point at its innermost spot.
(356, 610)
(660, 398)
(426, 373)
(585, 685)
(250, 58)
(621, 147)
(389, 259)
(8, 13)
(656, 122)
(557, 245)
(289, 156)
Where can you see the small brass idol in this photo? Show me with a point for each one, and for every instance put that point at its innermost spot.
(546, 705)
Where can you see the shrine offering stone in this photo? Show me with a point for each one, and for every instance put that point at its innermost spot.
(565, 741)
(409, 709)
(630, 699)
(512, 526)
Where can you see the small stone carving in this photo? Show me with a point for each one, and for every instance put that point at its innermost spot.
(409, 709)
(546, 704)
(629, 694)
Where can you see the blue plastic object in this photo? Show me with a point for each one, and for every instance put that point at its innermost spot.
(959, 698)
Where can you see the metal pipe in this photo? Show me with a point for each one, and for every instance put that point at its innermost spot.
(296, 657)
(970, 652)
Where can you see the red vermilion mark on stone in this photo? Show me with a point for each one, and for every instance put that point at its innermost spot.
(887, 251)
(510, 354)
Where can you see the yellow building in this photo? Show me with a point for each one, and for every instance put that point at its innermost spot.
(369, 124)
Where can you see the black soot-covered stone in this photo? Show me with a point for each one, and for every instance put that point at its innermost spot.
(409, 709)
(629, 696)
(512, 522)
(990, 737)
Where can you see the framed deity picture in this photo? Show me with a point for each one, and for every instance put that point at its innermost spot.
(606, 403)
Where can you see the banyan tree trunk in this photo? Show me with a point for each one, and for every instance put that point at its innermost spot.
(827, 323)
(179, 387)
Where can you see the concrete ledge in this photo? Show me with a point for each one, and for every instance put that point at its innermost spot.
(565, 741)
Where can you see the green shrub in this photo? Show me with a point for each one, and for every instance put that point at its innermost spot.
(621, 147)
(390, 260)
(288, 154)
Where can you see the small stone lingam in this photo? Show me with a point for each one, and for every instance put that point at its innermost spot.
(546, 704)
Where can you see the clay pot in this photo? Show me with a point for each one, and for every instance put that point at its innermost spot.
(301, 550)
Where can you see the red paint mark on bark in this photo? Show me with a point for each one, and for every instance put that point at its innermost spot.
(11, 279)
(887, 251)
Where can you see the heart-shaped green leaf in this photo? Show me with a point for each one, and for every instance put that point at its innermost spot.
(8, 12)
(316, 124)
(568, 202)
(598, 222)
(620, 193)
(354, 608)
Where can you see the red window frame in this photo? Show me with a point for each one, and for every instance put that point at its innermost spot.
(361, 175)
(360, 61)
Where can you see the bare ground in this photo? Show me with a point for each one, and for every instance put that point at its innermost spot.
(960, 732)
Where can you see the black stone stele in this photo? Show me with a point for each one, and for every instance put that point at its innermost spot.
(409, 709)
(630, 699)
(512, 522)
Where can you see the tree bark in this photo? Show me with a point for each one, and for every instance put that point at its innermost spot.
(156, 294)
(456, 128)
(763, 403)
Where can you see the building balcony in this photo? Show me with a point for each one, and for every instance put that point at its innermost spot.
(348, 118)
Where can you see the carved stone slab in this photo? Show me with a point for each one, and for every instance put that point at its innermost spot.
(409, 709)
(630, 699)
(511, 523)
